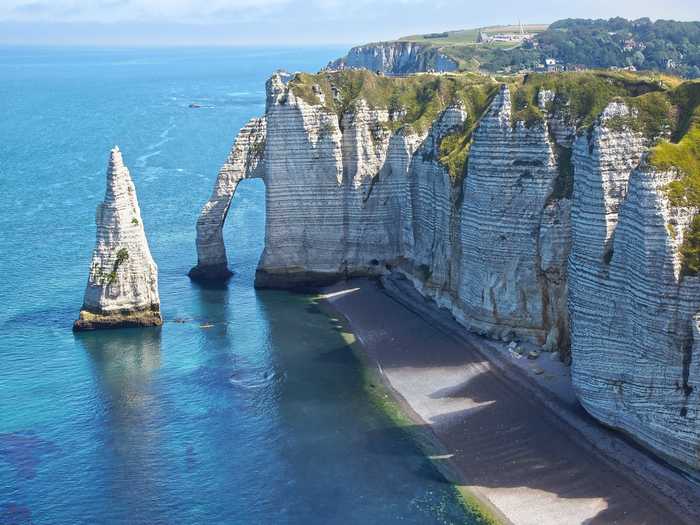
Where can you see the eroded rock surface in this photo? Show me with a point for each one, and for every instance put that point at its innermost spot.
(553, 235)
(243, 161)
(122, 287)
(634, 317)
(395, 58)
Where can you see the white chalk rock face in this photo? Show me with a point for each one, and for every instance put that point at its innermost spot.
(346, 196)
(122, 288)
(634, 318)
(428, 254)
(551, 236)
(395, 58)
(513, 229)
(244, 161)
(494, 249)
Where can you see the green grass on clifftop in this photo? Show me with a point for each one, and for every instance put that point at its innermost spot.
(469, 36)
(454, 148)
(662, 105)
(682, 153)
(685, 157)
(421, 97)
(582, 96)
(664, 109)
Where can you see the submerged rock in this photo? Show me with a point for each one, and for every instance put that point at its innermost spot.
(122, 288)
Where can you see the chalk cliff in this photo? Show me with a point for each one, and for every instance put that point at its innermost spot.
(122, 287)
(529, 214)
(395, 58)
(635, 337)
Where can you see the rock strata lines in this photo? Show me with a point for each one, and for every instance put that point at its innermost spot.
(559, 236)
(122, 287)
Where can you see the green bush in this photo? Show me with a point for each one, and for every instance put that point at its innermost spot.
(684, 157)
(690, 249)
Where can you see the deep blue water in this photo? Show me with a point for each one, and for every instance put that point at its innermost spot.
(260, 418)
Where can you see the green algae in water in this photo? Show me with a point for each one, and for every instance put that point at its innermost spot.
(456, 505)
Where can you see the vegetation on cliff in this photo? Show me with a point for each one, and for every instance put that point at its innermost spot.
(414, 101)
(662, 106)
(663, 45)
(682, 153)
(582, 96)
(664, 109)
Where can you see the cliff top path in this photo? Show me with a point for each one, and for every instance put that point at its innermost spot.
(507, 447)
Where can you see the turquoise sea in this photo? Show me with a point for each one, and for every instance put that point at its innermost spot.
(260, 417)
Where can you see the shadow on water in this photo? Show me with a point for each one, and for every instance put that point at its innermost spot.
(213, 301)
(122, 356)
(220, 286)
(341, 447)
(124, 362)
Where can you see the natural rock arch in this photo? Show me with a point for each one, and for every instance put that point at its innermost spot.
(244, 162)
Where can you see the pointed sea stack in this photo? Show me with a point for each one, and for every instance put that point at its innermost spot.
(122, 288)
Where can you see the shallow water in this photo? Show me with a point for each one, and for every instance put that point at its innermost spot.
(246, 407)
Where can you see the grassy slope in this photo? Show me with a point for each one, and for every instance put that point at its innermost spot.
(582, 96)
(469, 36)
(682, 153)
(422, 97)
(463, 36)
(462, 47)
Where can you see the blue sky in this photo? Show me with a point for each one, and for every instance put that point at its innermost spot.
(295, 22)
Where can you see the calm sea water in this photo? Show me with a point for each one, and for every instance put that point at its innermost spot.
(260, 418)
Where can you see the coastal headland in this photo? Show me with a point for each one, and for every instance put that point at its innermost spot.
(554, 210)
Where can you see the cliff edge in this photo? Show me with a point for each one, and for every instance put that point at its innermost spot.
(555, 209)
(395, 58)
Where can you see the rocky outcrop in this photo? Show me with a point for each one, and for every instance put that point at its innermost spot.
(346, 196)
(395, 58)
(560, 237)
(243, 161)
(513, 231)
(634, 317)
(122, 287)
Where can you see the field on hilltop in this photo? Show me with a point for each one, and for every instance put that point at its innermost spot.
(572, 44)
(468, 36)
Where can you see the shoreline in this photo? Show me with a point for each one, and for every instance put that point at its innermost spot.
(402, 415)
(524, 451)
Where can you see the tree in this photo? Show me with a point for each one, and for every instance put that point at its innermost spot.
(638, 58)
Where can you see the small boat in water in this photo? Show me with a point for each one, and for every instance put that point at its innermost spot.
(195, 105)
